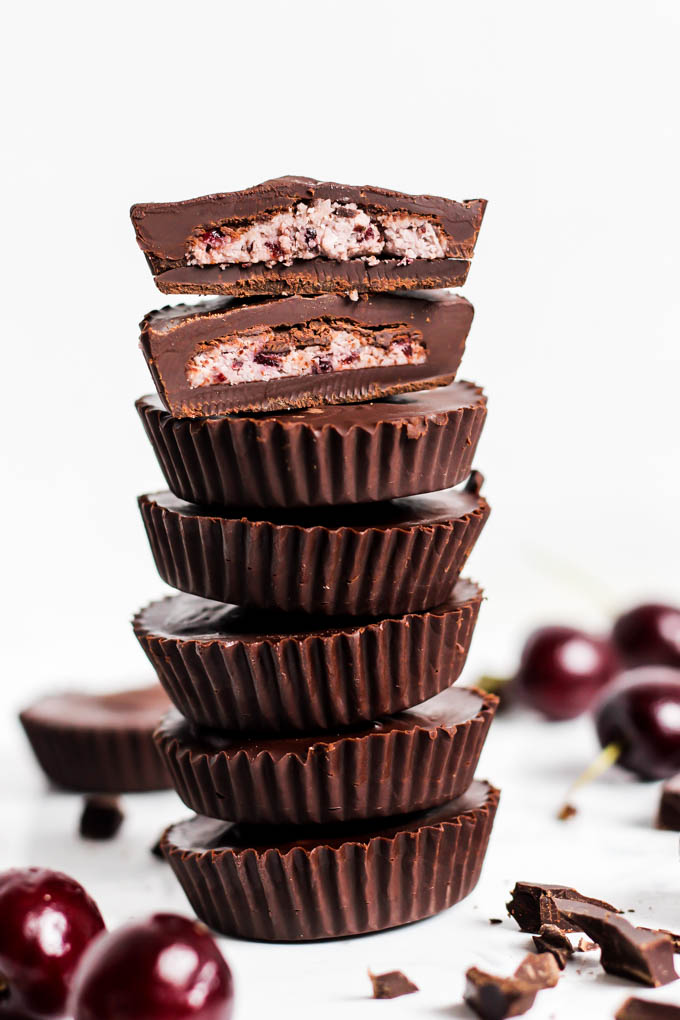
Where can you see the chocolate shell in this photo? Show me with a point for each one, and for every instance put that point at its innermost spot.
(227, 668)
(407, 762)
(286, 884)
(399, 446)
(172, 336)
(403, 556)
(99, 743)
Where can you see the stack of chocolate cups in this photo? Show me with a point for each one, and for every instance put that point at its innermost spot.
(322, 504)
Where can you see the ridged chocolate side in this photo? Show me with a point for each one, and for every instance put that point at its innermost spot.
(314, 681)
(97, 761)
(331, 891)
(339, 778)
(256, 564)
(296, 461)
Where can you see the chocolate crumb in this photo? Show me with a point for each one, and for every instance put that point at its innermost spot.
(391, 985)
(584, 946)
(566, 811)
(101, 817)
(495, 920)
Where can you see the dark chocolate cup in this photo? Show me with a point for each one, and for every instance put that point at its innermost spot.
(389, 559)
(117, 758)
(361, 453)
(400, 764)
(267, 674)
(319, 886)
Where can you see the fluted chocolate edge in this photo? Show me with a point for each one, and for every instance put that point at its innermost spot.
(262, 462)
(341, 778)
(319, 681)
(328, 892)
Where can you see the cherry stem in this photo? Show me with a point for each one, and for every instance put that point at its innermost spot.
(492, 684)
(607, 757)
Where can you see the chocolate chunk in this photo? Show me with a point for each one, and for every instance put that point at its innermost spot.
(101, 817)
(399, 446)
(337, 776)
(391, 985)
(239, 670)
(316, 562)
(290, 883)
(201, 356)
(669, 805)
(531, 905)
(551, 939)
(201, 238)
(645, 1009)
(99, 743)
(539, 969)
(627, 951)
(494, 998)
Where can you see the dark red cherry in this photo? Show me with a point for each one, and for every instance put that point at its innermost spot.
(648, 635)
(46, 922)
(163, 968)
(641, 713)
(562, 670)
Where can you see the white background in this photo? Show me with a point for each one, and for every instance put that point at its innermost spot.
(564, 116)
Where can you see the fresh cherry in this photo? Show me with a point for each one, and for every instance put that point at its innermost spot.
(163, 968)
(648, 635)
(46, 922)
(562, 670)
(640, 716)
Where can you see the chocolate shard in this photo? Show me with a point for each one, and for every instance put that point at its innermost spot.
(101, 817)
(552, 940)
(220, 357)
(645, 1009)
(494, 998)
(668, 816)
(391, 985)
(646, 957)
(305, 236)
(531, 904)
(539, 969)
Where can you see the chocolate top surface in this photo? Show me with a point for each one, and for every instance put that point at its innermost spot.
(406, 512)
(138, 709)
(205, 835)
(163, 228)
(446, 710)
(191, 618)
(244, 313)
(413, 410)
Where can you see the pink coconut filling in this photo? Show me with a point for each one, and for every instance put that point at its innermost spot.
(333, 230)
(263, 354)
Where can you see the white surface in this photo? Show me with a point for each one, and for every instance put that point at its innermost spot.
(609, 850)
(562, 116)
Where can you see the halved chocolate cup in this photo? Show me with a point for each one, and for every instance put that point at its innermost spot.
(407, 762)
(242, 671)
(321, 456)
(221, 357)
(284, 884)
(99, 743)
(402, 556)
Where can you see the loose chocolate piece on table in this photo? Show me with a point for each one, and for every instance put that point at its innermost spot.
(320, 456)
(403, 556)
(551, 939)
(101, 817)
(584, 946)
(645, 1009)
(669, 805)
(222, 356)
(539, 969)
(299, 235)
(391, 985)
(290, 883)
(531, 905)
(495, 998)
(566, 812)
(99, 743)
(627, 951)
(238, 670)
(396, 765)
